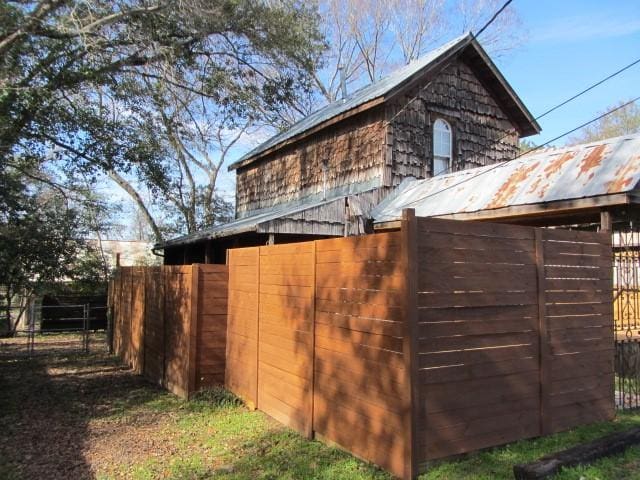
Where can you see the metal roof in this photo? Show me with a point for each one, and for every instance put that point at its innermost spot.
(383, 87)
(601, 168)
(246, 224)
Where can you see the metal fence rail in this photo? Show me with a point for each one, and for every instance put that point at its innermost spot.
(626, 309)
(71, 328)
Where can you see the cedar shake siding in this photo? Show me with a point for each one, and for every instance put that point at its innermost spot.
(368, 151)
(482, 132)
(352, 152)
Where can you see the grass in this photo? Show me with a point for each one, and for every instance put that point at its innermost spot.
(75, 416)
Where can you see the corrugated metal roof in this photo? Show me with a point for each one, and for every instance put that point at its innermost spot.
(601, 168)
(247, 224)
(359, 97)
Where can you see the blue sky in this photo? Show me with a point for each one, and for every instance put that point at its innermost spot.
(570, 45)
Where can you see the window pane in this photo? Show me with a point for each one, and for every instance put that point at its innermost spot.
(441, 138)
(440, 165)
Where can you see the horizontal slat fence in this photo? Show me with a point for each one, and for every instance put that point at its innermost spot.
(578, 312)
(478, 341)
(169, 323)
(443, 338)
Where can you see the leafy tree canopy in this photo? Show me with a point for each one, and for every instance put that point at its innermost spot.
(621, 122)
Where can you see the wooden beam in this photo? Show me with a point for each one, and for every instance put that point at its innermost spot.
(581, 454)
(605, 221)
(409, 259)
(528, 212)
(544, 352)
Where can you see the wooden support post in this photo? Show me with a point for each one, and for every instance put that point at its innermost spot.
(256, 405)
(193, 331)
(543, 338)
(606, 222)
(272, 239)
(409, 259)
(309, 432)
(208, 257)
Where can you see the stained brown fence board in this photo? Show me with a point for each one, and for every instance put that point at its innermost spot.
(161, 335)
(399, 357)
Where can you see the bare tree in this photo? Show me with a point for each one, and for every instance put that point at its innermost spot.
(370, 38)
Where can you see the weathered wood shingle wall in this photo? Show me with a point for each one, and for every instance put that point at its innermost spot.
(458, 97)
(351, 150)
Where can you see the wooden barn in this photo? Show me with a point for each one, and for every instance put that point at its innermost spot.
(450, 110)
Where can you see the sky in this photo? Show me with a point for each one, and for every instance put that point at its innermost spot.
(569, 45)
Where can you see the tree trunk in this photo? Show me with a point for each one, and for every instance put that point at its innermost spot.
(127, 187)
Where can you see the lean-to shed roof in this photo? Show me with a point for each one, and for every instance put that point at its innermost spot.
(389, 86)
(603, 168)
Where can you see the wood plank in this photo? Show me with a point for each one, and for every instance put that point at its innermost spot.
(435, 450)
(481, 282)
(481, 229)
(475, 299)
(328, 361)
(440, 344)
(463, 373)
(479, 314)
(580, 236)
(361, 338)
(359, 324)
(487, 327)
(462, 241)
(350, 268)
(477, 256)
(363, 310)
(428, 360)
(379, 240)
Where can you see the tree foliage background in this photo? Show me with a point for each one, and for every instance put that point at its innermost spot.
(154, 96)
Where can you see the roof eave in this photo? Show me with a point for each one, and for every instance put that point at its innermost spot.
(527, 125)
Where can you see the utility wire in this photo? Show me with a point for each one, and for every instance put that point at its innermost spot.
(492, 19)
(588, 89)
(474, 36)
(500, 165)
(561, 104)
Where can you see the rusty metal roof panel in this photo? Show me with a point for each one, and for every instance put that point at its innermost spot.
(601, 168)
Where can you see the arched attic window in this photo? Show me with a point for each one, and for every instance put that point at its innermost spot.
(442, 147)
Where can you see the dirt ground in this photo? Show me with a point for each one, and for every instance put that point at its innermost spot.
(66, 415)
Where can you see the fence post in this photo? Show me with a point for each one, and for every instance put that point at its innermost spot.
(193, 329)
(409, 259)
(85, 337)
(258, 331)
(110, 301)
(32, 325)
(543, 337)
(309, 432)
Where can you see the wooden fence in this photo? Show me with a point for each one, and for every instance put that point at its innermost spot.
(169, 323)
(442, 338)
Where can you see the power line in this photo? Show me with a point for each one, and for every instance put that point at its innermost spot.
(492, 19)
(500, 165)
(588, 89)
(561, 104)
(474, 37)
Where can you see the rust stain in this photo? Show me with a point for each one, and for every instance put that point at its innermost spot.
(557, 164)
(592, 161)
(510, 187)
(534, 187)
(624, 176)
